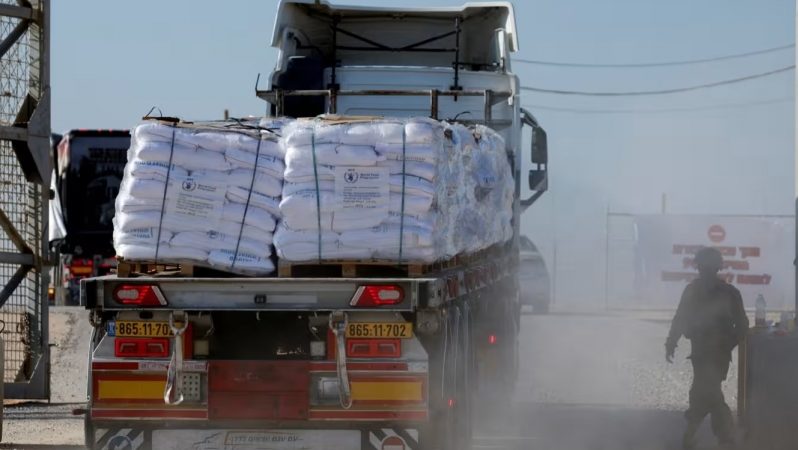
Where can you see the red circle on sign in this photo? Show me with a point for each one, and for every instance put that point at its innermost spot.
(716, 233)
(393, 443)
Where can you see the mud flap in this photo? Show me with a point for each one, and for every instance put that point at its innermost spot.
(120, 439)
(390, 439)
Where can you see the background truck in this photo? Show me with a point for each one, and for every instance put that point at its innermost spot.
(534, 278)
(88, 169)
(332, 360)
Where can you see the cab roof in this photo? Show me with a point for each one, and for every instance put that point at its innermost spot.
(313, 16)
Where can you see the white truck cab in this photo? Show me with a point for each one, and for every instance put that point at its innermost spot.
(447, 63)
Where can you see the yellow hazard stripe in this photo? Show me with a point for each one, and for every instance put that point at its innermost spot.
(130, 390)
(388, 391)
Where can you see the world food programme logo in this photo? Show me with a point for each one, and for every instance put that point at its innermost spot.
(189, 185)
(351, 176)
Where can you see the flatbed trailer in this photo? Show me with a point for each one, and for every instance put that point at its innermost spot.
(393, 357)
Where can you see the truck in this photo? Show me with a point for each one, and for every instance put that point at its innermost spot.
(393, 359)
(88, 169)
(534, 278)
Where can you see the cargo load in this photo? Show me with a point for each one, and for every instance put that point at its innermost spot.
(397, 190)
(206, 194)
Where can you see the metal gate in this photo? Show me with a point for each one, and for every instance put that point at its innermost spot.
(25, 167)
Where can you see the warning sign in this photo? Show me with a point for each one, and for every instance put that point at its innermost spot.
(756, 255)
(362, 189)
(716, 234)
(393, 443)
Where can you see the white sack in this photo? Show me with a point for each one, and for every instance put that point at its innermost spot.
(212, 240)
(267, 164)
(185, 157)
(332, 155)
(165, 253)
(209, 140)
(246, 263)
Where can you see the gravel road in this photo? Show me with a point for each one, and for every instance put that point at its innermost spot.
(53, 425)
(588, 382)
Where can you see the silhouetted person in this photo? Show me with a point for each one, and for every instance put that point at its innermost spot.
(712, 317)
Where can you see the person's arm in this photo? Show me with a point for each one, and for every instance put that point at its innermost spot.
(739, 318)
(678, 325)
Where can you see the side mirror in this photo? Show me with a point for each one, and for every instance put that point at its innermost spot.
(539, 175)
(538, 180)
(540, 146)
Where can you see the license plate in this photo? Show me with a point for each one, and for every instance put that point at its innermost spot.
(389, 330)
(132, 328)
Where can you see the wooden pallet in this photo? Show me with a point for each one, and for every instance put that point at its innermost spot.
(379, 268)
(127, 269)
(360, 269)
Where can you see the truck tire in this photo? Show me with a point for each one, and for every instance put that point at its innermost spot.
(450, 425)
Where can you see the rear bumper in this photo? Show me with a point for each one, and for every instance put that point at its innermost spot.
(144, 435)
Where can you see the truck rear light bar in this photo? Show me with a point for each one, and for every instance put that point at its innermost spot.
(141, 347)
(139, 295)
(374, 348)
(378, 295)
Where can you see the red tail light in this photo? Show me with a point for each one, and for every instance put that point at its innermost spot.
(492, 339)
(378, 295)
(141, 347)
(139, 295)
(373, 348)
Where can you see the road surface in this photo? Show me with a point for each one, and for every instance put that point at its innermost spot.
(588, 382)
(597, 382)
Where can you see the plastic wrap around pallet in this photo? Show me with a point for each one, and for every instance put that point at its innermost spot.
(207, 194)
(405, 190)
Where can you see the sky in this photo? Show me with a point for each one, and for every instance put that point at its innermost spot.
(112, 62)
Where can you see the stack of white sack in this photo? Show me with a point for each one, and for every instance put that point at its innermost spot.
(392, 189)
(206, 193)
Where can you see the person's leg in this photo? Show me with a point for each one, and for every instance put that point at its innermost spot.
(699, 402)
(722, 421)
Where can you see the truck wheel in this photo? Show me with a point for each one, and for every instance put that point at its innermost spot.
(451, 412)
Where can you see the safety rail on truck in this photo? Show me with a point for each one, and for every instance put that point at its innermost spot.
(330, 363)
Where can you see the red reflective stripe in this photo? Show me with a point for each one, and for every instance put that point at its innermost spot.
(149, 413)
(324, 366)
(415, 415)
(115, 366)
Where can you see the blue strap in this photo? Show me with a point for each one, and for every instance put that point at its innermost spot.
(165, 188)
(316, 178)
(246, 206)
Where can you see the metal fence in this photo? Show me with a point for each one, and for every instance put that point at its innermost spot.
(24, 191)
